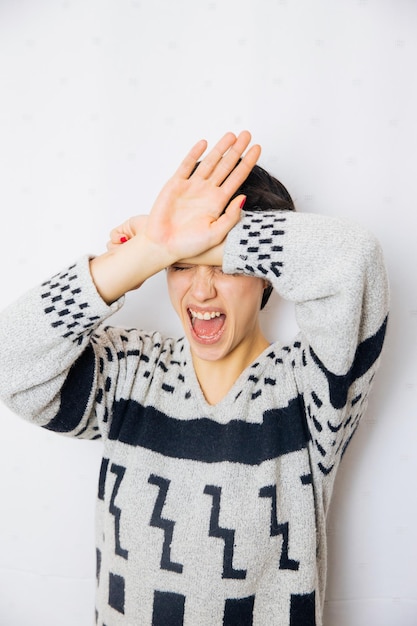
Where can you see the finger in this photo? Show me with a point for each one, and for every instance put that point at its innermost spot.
(118, 234)
(230, 158)
(116, 241)
(189, 162)
(129, 229)
(207, 165)
(229, 218)
(240, 173)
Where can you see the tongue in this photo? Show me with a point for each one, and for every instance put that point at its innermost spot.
(208, 328)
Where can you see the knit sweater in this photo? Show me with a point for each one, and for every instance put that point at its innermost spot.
(210, 515)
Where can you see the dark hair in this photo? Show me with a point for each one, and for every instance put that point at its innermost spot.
(264, 193)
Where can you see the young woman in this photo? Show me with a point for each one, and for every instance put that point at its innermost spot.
(219, 450)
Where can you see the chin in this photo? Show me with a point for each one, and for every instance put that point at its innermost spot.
(208, 352)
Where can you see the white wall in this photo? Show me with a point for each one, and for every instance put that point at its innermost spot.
(99, 99)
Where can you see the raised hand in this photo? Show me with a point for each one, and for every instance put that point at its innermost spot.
(191, 216)
(192, 212)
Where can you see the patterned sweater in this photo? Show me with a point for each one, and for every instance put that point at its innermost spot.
(210, 515)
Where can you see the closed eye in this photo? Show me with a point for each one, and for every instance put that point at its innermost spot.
(180, 268)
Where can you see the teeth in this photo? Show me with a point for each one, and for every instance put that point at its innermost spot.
(207, 315)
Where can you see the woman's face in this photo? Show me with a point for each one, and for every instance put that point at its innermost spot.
(219, 312)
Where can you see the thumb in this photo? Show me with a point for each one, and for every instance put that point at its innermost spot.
(229, 218)
(232, 213)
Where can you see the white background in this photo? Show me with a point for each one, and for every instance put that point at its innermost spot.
(99, 100)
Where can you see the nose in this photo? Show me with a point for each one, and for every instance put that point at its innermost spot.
(203, 284)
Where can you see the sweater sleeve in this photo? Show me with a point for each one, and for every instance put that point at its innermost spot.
(42, 336)
(333, 271)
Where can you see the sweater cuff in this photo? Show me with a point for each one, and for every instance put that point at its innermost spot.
(254, 245)
(72, 302)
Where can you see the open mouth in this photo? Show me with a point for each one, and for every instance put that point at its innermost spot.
(207, 326)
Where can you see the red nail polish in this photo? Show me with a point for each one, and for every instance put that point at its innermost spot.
(123, 239)
(242, 204)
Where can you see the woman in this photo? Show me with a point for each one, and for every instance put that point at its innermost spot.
(219, 450)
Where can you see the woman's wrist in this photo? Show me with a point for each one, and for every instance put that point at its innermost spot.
(126, 267)
(212, 256)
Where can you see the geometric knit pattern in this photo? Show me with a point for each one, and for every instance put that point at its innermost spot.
(211, 515)
(61, 299)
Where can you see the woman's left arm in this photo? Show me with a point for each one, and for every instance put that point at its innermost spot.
(334, 273)
(333, 270)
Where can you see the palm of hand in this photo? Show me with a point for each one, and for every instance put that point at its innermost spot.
(187, 219)
(191, 214)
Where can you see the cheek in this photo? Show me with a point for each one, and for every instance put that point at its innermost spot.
(172, 291)
(251, 289)
(246, 295)
(176, 290)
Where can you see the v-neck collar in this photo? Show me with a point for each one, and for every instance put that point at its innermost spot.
(223, 410)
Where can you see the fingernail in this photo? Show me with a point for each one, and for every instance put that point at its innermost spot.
(123, 239)
(242, 204)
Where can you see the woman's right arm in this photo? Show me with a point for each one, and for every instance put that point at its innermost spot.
(191, 215)
(49, 345)
(45, 340)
